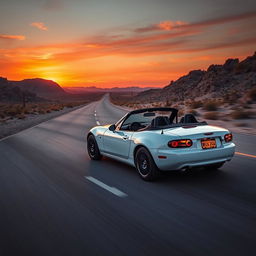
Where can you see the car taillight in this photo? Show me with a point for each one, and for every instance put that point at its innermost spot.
(228, 137)
(180, 143)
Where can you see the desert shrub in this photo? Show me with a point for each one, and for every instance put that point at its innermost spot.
(168, 103)
(21, 116)
(181, 113)
(245, 105)
(196, 104)
(240, 114)
(2, 115)
(187, 103)
(13, 111)
(26, 110)
(252, 94)
(41, 111)
(210, 106)
(241, 124)
(194, 112)
(211, 115)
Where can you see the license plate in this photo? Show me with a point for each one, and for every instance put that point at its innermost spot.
(208, 143)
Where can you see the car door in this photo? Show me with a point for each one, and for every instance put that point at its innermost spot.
(117, 142)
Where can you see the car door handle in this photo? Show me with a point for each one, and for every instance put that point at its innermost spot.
(125, 137)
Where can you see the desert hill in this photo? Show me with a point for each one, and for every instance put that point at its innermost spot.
(134, 89)
(232, 80)
(41, 87)
(33, 89)
(10, 92)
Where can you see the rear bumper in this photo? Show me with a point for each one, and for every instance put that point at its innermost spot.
(182, 158)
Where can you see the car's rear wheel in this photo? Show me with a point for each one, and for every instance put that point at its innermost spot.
(93, 149)
(214, 166)
(145, 165)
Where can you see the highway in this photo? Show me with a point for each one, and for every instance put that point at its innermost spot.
(55, 201)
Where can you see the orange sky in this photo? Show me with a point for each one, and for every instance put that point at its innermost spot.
(143, 54)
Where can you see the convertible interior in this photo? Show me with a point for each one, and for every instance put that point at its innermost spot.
(155, 119)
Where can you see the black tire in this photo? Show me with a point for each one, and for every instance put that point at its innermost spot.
(145, 165)
(214, 166)
(93, 149)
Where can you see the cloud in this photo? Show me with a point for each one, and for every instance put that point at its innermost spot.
(164, 25)
(97, 56)
(169, 25)
(39, 25)
(12, 37)
(222, 20)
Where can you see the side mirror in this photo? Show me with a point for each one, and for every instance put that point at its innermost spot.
(112, 127)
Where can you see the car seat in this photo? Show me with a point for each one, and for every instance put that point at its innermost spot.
(188, 118)
(160, 121)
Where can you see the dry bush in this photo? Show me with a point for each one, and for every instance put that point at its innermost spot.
(2, 115)
(196, 104)
(15, 110)
(241, 124)
(246, 106)
(240, 114)
(181, 113)
(252, 94)
(211, 115)
(210, 106)
(41, 111)
(194, 112)
(21, 116)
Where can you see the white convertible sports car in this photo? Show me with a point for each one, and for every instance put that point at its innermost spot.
(153, 139)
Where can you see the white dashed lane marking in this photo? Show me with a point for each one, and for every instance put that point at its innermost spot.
(112, 190)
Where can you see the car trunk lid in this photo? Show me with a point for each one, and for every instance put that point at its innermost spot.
(196, 131)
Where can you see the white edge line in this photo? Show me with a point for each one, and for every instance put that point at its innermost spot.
(112, 190)
(97, 122)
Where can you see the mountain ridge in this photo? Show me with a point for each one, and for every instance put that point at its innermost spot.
(34, 89)
(230, 80)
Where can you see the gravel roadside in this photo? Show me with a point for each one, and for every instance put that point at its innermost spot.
(16, 125)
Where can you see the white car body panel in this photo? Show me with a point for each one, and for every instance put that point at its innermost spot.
(121, 145)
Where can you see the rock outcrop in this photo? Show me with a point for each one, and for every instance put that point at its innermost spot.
(219, 81)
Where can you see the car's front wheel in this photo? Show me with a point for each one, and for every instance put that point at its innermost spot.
(145, 165)
(93, 149)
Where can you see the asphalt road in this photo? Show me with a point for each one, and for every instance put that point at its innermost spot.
(48, 206)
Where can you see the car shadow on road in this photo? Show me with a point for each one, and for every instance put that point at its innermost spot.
(194, 176)
(112, 166)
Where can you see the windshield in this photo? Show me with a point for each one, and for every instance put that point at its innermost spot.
(149, 118)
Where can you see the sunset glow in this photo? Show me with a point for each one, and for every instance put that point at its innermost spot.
(69, 45)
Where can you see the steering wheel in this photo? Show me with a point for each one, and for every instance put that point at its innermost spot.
(135, 126)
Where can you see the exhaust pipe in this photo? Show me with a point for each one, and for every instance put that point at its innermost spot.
(184, 169)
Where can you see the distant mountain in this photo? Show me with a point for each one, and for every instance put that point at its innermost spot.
(114, 89)
(230, 80)
(10, 92)
(33, 89)
(41, 87)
